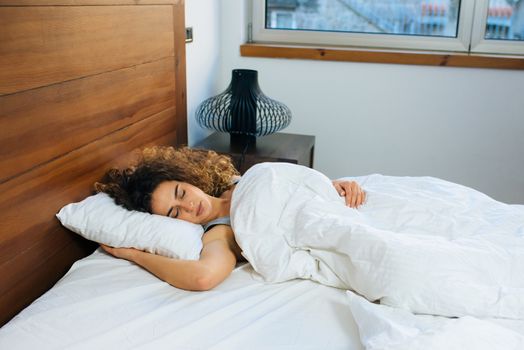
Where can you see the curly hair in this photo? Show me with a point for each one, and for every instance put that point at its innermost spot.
(132, 187)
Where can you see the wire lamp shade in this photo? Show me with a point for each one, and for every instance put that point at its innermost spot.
(243, 110)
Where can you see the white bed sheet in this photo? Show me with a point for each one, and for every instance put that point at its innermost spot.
(108, 303)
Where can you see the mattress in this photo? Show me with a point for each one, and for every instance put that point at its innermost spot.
(104, 302)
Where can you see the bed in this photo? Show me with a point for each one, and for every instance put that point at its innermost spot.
(88, 82)
(106, 303)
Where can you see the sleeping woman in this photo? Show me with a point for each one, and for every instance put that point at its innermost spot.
(419, 243)
(195, 186)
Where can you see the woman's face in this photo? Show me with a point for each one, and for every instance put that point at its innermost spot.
(182, 201)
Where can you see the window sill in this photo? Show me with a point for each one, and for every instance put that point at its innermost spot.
(377, 56)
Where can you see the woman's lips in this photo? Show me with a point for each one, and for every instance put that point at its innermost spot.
(199, 210)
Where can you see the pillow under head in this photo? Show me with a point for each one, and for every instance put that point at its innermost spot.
(98, 218)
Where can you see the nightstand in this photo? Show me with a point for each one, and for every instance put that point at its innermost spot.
(278, 147)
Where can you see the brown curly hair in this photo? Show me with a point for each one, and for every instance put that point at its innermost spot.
(132, 187)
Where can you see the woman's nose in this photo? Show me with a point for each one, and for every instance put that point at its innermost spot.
(188, 206)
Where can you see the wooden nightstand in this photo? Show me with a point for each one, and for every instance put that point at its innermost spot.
(278, 147)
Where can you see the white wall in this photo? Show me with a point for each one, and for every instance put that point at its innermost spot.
(202, 58)
(464, 125)
(461, 124)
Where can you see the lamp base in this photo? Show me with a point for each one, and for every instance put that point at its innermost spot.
(239, 141)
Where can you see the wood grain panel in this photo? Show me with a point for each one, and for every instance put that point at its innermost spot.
(46, 45)
(62, 117)
(32, 234)
(180, 70)
(44, 244)
(87, 82)
(41, 277)
(30, 201)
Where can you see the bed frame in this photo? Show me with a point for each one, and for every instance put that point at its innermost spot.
(83, 83)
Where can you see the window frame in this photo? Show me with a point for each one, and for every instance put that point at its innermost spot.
(490, 46)
(469, 40)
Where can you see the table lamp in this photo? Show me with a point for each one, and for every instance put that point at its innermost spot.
(243, 110)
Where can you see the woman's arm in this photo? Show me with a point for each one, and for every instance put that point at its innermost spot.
(217, 261)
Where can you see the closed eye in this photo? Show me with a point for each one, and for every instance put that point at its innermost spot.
(172, 208)
(179, 192)
(170, 211)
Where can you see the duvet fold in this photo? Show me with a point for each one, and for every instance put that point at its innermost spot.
(418, 243)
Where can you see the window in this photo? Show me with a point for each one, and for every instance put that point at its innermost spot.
(481, 26)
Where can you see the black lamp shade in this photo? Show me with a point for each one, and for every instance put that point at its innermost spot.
(243, 110)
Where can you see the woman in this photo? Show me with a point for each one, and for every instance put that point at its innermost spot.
(194, 186)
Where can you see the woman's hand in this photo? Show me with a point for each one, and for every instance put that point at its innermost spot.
(121, 253)
(353, 193)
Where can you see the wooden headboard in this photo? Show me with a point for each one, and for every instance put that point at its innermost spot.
(83, 83)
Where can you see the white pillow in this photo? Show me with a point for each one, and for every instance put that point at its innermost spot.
(98, 218)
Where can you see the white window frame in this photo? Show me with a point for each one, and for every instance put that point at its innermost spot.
(470, 35)
(483, 46)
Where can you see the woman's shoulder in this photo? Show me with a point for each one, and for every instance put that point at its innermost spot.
(223, 232)
(218, 231)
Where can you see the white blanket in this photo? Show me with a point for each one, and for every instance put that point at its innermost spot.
(419, 244)
(385, 328)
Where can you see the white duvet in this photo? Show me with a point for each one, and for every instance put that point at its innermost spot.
(386, 328)
(419, 244)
